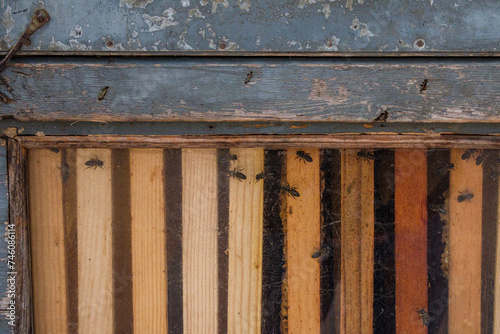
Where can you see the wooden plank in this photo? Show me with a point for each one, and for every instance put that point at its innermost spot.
(357, 225)
(47, 242)
(199, 240)
(94, 211)
(280, 90)
(148, 241)
(268, 141)
(303, 238)
(245, 243)
(4, 217)
(148, 27)
(411, 239)
(496, 316)
(464, 312)
(20, 268)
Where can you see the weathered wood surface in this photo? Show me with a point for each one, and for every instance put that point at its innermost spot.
(244, 25)
(207, 89)
(4, 217)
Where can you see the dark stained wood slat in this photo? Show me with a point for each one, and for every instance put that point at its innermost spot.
(411, 239)
(280, 90)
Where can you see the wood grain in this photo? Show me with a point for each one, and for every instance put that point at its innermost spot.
(303, 238)
(48, 242)
(199, 239)
(464, 313)
(245, 243)
(496, 316)
(282, 90)
(95, 276)
(148, 241)
(411, 239)
(357, 229)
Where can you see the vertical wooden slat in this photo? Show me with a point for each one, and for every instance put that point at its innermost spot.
(245, 243)
(199, 212)
(411, 239)
(465, 246)
(496, 316)
(94, 214)
(47, 242)
(148, 241)
(357, 244)
(302, 240)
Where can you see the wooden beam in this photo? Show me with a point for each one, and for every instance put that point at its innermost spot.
(245, 242)
(357, 228)
(280, 90)
(149, 275)
(303, 238)
(496, 316)
(94, 215)
(411, 239)
(464, 312)
(199, 240)
(48, 242)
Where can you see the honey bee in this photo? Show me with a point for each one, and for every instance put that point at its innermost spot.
(94, 162)
(303, 156)
(366, 155)
(465, 196)
(468, 154)
(423, 85)
(233, 157)
(249, 77)
(237, 174)
(438, 207)
(289, 190)
(260, 176)
(443, 168)
(103, 93)
(424, 315)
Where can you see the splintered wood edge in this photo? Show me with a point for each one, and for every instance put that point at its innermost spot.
(266, 141)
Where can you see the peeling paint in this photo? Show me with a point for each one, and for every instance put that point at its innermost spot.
(326, 10)
(215, 3)
(292, 44)
(362, 27)
(230, 46)
(156, 23)
(350, 3)
(182, 41)
(303, 3)
(135, 3)
(58, 46)
(75, 45)
(185, 3)
(244, 5)
(196, 13)
(320, 92)
(77, 32)
(8, 21)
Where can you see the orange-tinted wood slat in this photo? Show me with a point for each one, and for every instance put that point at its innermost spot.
(303, 237)
(357, 229)
(245, 243)
(47, 242)
(148, 241)
(199, 238)
(464, 313)
(94, 215)
(411, 239)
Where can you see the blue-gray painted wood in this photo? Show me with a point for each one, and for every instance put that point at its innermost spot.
(249, 25)
(4, 217)
(280, 89)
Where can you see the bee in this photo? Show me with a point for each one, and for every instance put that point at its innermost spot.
(103, 93)
(468, 154)
(249, 77)
(424, 315)
(323, 252)
(237, 174)
(303, 156)
(438, 207)
(260, 176)
(465, 196)
(233, 157)
(289, 190)
(423, 85)
(443, 168)
(366, 155)
(480, 158)
(94, 162)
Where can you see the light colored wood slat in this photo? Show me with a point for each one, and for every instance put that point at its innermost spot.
(245, 243)
(465, 246)
(199, 240)
(357, 228)
(411, 239)
(303, 238)
(148, 241)
(47, 242)
(94, 213)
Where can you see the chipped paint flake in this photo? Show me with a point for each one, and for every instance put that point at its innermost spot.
(135, 3)
(321, 92)
(182, 41)
(58, 46)
(76, 32)
(185, 3)
(156, 23)
(350, 3)
(362, 28)
(303, 3)
(196, 13)
(244, 5)
(326, 10)
(215, 3)
(7, 20)
(75, 45)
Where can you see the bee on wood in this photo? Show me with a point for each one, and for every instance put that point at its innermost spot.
(233, 157)
(465, 196)
(423, 85)
(323, 252)
(366, 155)
(468, 154)
(237, 174)
(438, 207)
(480, 158)
(249, 77)
(94, 162)
(303, 156)
(424, 315)
(260, 176)
(289, 190)
(103, 93)
(65, 170)
(443, 168)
